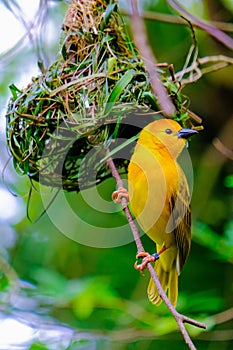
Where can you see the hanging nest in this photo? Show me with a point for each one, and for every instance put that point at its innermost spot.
(59, 127)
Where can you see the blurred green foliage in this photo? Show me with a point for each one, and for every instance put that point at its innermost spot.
(90, 297)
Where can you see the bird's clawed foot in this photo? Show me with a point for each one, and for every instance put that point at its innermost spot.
(119, 194)
(147, 258)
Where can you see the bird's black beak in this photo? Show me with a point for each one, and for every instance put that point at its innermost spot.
(186, 133)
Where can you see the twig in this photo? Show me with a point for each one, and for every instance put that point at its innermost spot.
(207, 27)
(228, 153)
(196, 71)
(180, 319)
(167, 18)
(144, 49)
(134, 228)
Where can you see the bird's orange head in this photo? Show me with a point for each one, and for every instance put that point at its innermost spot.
(165, 134)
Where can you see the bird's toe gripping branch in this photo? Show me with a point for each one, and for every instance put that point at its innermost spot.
(119, 194)
(147, 258)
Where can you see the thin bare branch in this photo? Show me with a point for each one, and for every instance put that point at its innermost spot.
(196, 69)
(210, 29)
(119, 182)
(228, 153)
(167, 18)
(215, 58)
(140, 39)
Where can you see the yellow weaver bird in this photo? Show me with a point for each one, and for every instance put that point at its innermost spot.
(160, 200)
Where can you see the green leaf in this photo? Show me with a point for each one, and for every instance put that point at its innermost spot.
(151, 99)
(118, 148)
(14, 91)
(119, 88)
(107, 14)
(112, 64)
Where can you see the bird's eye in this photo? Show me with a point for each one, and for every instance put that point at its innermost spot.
(168, 131)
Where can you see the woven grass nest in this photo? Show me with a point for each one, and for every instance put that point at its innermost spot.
(84, 100)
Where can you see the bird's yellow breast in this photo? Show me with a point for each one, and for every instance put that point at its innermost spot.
(152, 178)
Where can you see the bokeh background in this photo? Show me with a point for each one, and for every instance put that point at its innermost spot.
(56, 293)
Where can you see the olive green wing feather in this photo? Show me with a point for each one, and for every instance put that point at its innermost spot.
(180, 221)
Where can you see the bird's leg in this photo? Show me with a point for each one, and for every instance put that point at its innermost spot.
(119, 194)
(147, 258)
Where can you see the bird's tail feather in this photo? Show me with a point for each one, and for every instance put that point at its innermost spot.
(169, 282)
